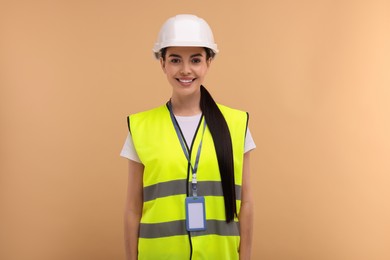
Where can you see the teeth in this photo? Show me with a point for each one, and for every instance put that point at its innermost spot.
(185, 80)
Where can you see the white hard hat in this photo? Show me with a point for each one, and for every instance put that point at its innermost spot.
(185, 30)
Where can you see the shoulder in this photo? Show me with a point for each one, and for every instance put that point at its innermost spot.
(147, 118)
(232, 112)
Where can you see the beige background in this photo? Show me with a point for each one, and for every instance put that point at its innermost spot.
(314, 76)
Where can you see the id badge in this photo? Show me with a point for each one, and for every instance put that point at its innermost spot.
(195, 214)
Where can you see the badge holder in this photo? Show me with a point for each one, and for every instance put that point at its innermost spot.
(195, 214)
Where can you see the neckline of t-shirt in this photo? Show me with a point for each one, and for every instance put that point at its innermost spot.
(189, 118)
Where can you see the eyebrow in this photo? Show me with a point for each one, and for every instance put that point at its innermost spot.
(192, 56)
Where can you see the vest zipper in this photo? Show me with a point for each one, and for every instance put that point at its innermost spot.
(187, 188)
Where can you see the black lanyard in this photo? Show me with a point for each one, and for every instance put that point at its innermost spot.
(183, 146)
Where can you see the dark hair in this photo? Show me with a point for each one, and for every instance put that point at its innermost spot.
(223, 144)
(209, 53)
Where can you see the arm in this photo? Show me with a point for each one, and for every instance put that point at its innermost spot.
(246, 213)
(133, 209)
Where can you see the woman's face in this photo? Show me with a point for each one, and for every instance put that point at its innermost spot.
(186, 68)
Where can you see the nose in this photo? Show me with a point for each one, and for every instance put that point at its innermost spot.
(185, 69)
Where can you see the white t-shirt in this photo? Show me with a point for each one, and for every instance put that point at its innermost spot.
(188, 125)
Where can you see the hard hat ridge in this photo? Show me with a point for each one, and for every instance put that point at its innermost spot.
(185, 30)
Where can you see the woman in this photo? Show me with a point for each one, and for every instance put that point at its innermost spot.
(188, 186)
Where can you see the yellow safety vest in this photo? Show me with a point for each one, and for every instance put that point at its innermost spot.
(166, 184)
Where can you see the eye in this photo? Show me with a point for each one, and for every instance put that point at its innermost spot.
(175, 60)
(196, 60)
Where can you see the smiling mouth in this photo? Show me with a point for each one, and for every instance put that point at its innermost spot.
(186, 80)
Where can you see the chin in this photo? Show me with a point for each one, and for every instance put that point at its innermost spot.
(187, 91)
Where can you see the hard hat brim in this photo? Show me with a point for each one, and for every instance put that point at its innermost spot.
(161, 46)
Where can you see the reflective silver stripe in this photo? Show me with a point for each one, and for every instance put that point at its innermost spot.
(169, 188)
(164, 189)
(176, 228)
(219, 227)
(214, 188)
(166, 229)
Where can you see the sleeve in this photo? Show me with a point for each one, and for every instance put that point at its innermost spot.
(249, 143)
(128, 150)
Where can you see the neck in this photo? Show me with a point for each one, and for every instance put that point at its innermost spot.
(186, 106)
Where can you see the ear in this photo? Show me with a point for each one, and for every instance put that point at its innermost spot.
(162, 63)
(208, 62)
